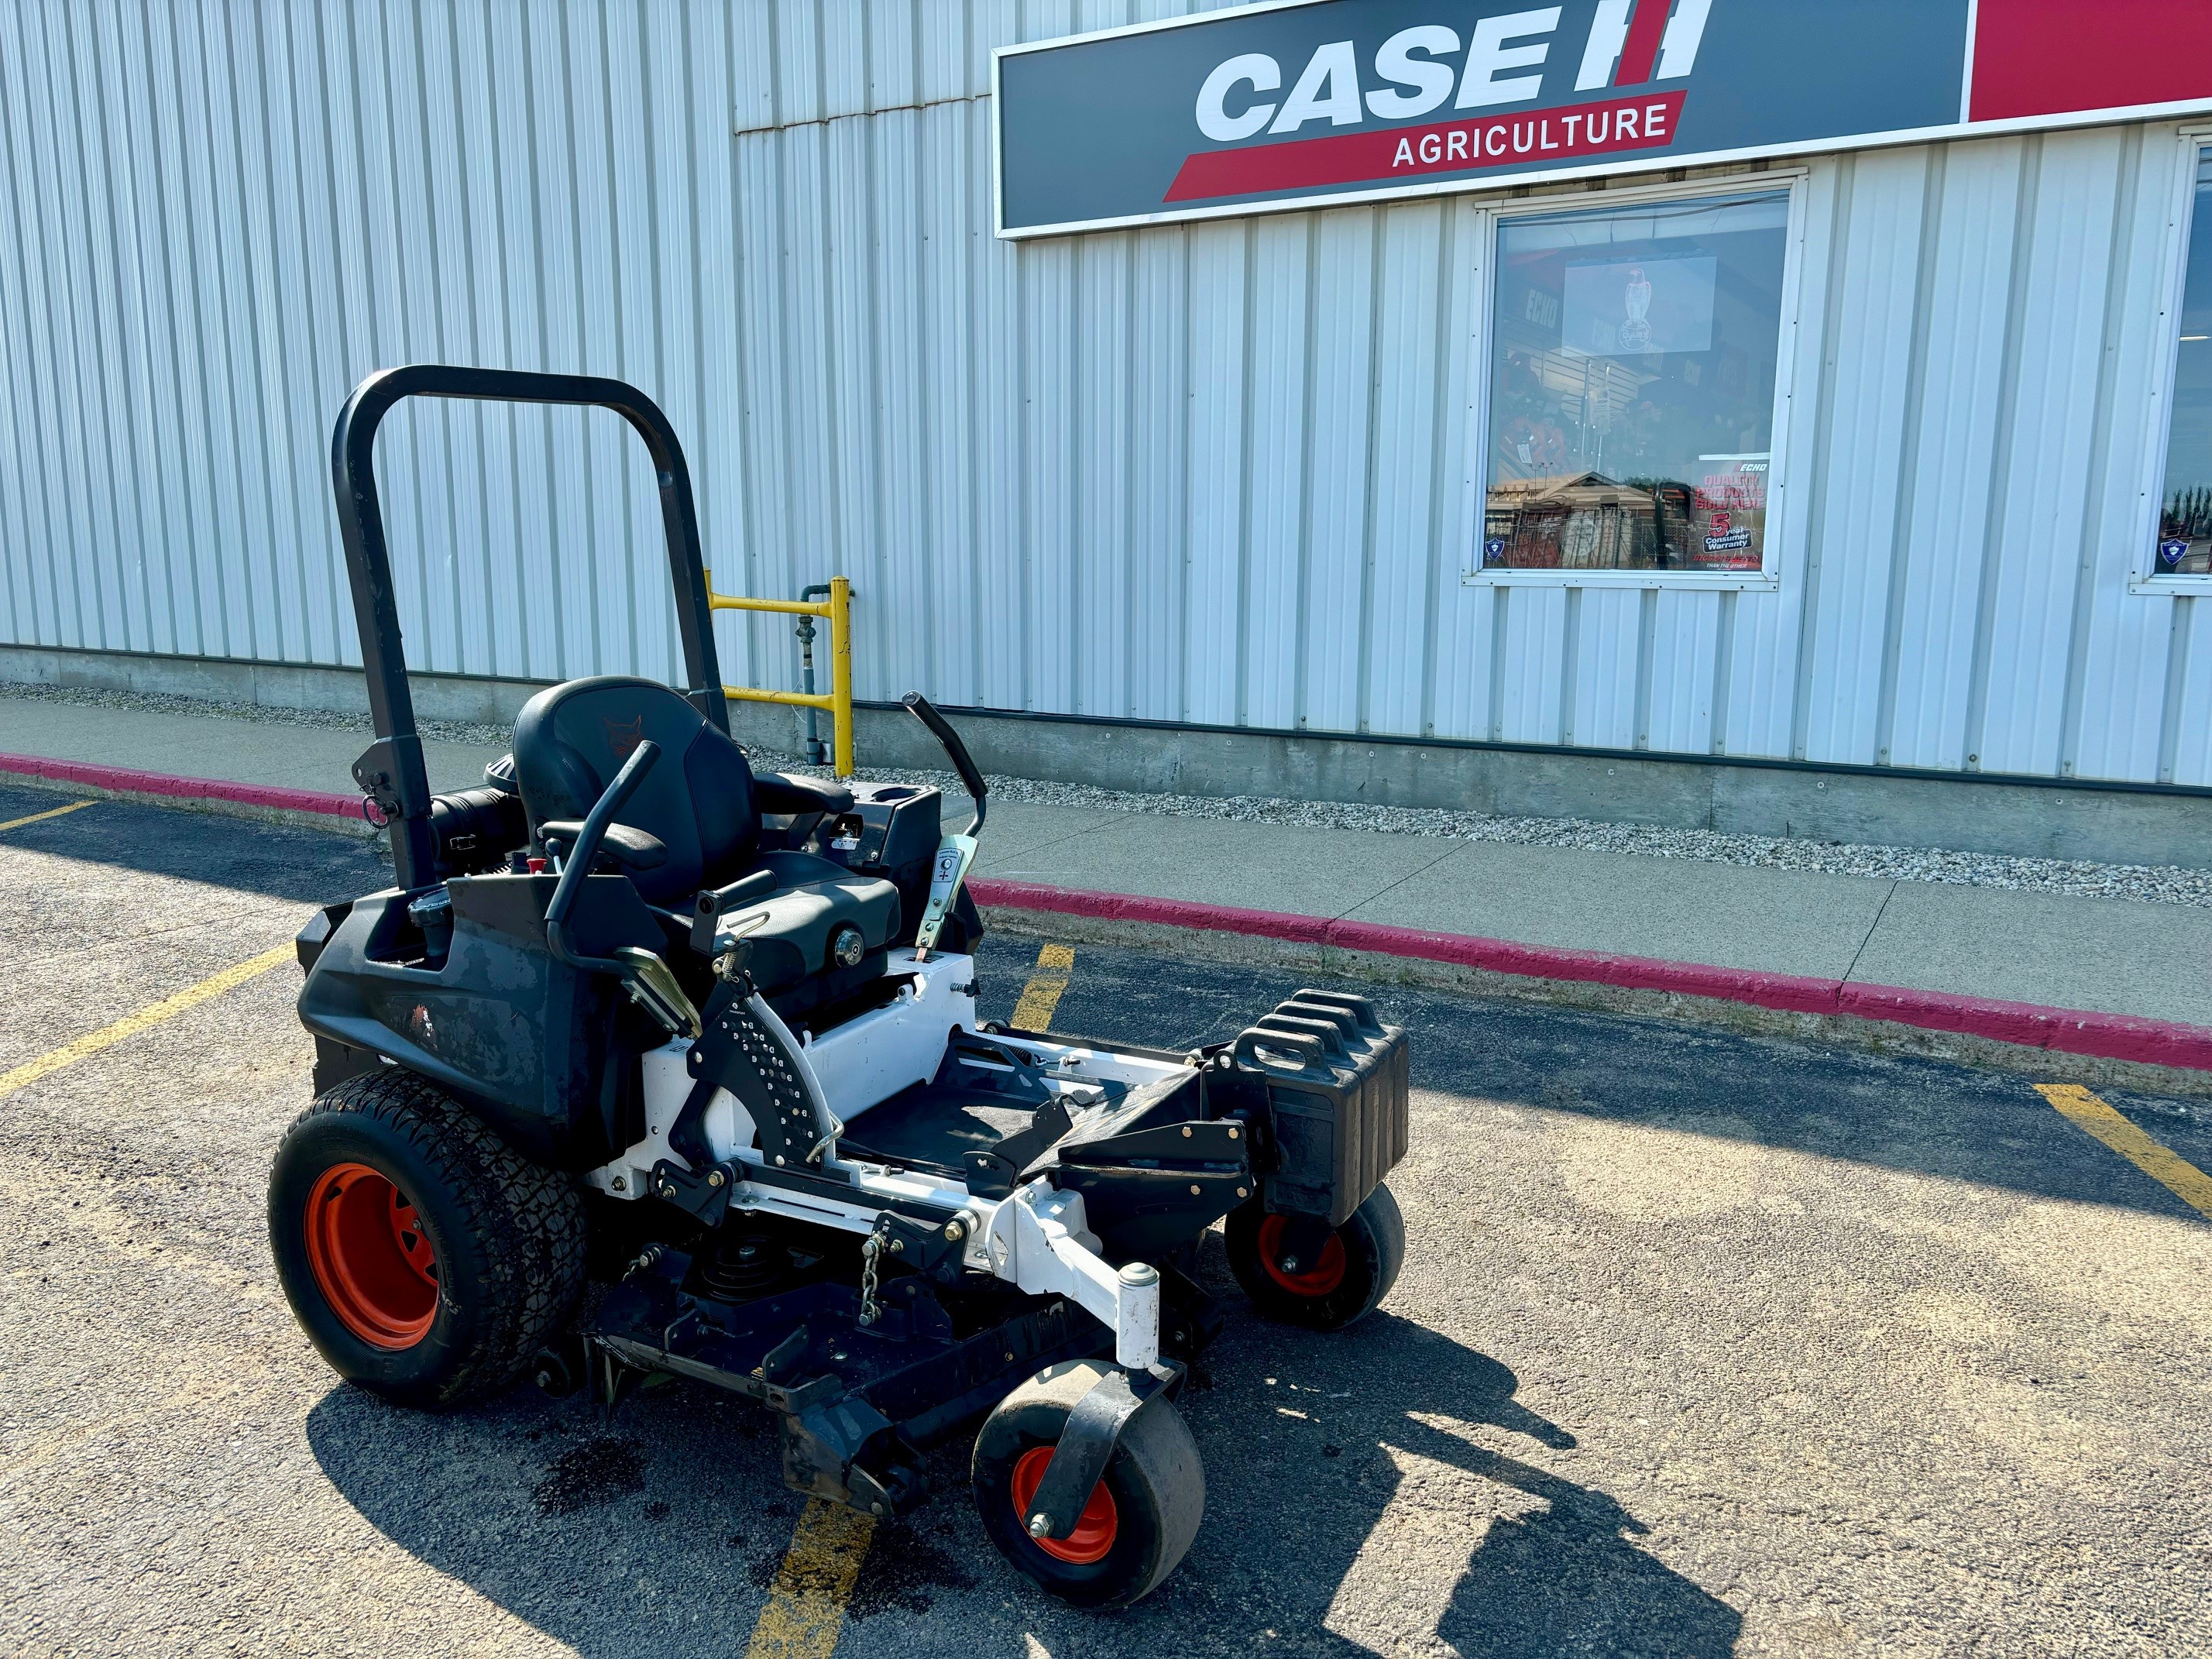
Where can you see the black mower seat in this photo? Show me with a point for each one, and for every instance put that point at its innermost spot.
(701, 804)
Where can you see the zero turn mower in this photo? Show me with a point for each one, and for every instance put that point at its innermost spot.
(632, 1012)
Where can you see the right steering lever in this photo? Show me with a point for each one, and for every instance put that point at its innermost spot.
(954, 852)
(941, 729)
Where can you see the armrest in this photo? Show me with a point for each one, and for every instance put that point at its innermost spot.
(633, 849)
(781, 793)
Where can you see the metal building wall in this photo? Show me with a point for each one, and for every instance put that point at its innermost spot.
(1213, 473)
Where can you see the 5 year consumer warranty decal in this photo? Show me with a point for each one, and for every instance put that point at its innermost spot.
(1319, 100)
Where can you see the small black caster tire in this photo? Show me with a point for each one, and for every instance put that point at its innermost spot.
(1142, 1515)
(427, 1260)
(1357, 1265)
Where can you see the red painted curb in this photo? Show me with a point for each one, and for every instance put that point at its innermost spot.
(2067, 1030)
(128, 780)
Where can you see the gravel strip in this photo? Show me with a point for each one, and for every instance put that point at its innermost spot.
(163, 702)
(2146, 884)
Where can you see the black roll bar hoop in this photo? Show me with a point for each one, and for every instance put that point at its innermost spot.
(392, 771)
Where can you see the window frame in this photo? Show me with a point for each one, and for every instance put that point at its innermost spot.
(1781, 517)
(2193, 149)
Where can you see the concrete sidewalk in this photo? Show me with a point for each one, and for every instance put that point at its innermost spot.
(277, 753)
(2100, 956)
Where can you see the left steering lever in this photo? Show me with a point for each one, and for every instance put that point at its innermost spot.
(650, 982)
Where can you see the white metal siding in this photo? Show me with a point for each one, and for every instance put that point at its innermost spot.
(1213, 473)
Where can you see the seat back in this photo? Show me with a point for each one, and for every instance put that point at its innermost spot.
(571, 739)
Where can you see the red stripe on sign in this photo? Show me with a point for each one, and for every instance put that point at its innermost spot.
(1481, 145)
(2057, 57)
(1640, 51)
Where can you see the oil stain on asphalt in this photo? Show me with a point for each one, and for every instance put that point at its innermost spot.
(598, 1471)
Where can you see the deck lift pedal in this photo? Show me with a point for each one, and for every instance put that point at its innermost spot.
(647, 1064)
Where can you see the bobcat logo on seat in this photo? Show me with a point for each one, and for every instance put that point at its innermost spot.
(624, 735)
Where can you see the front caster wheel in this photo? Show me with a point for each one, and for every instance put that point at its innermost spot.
(425, 1258)
(1352, 1269)
(1142, 1514)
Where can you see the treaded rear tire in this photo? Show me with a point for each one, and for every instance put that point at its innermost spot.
(509, 1237)
(1156, 1477)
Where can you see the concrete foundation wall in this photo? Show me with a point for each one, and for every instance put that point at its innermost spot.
(272, 685)
(2103, 824)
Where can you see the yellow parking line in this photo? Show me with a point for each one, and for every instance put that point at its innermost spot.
(40, 817)
(107, 1036)
(1040, 996)
(2159, 1162)
(805, 1607)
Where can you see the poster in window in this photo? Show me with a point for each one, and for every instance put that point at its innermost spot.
(1632, 307)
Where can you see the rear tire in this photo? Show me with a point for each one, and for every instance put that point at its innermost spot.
(1354, 1270)
(1142, 1515)
(425, 1258)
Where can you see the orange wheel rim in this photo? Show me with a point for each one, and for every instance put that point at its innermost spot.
(1324, 1276)
(1093, 1536)
(371, 1259)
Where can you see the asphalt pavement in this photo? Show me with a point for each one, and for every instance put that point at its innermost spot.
(1705, 1345)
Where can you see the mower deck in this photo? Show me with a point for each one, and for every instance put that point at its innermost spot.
(859, 1402)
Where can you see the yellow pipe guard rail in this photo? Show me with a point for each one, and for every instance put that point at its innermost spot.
(836, 609)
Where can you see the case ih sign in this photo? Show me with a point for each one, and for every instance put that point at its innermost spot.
(1316, 101)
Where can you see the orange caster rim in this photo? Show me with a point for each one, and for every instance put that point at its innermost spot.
(1093, 1537)
(1326, 1274)
(371, 1259)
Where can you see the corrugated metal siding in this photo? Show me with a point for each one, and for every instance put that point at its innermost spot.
(1214, 473)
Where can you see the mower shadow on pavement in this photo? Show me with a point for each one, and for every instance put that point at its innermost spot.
(1383, 1514)
(1372, 1516)
(654, 1534)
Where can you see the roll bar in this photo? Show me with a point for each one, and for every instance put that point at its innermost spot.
(391, 772)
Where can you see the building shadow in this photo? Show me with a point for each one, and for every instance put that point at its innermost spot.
(1915, 1114)
(311, 866)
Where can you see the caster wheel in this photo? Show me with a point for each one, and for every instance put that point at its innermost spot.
(562, 1368)
(426, 1260)
(1142, 1514)
(1354, 1270)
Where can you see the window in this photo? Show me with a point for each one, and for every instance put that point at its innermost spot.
(2185, 519)
(1633, 357)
